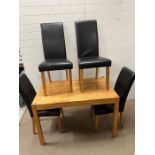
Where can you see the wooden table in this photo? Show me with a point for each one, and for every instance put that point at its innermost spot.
(59, 96)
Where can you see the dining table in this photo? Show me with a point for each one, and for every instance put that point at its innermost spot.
(59, 96)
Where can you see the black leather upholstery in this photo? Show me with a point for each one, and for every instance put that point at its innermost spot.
(90, 62)
(55, 64)
(28, 93)
(122, 87)
(103, 109)
(49, 112)
(54, 47)
(87, 45)
(53, 40)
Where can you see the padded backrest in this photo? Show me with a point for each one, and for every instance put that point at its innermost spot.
(27, 91)
(53, 40)
(123, 84)
(87, 38)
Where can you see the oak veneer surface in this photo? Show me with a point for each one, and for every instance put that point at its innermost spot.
(59, 95)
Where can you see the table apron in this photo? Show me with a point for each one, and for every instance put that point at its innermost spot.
(76, 103)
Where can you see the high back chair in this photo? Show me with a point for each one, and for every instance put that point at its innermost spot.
(28, 93)
(122, 87)
(88, 49)
(54, 52)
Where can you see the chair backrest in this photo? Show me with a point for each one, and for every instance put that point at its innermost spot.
(53, 40)
(87, 38)
(123, 84)
(27, 91)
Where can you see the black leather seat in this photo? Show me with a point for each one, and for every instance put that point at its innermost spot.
(122, 87)
(88, 48)
(58, 64)
(54, 51)
(88, 62)
(28, 93)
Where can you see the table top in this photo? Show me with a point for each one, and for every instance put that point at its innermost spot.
(59, 94)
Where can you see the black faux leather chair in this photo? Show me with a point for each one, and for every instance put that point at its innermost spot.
(54, 52)
(122, 87)
(28, 93)
(88, 49)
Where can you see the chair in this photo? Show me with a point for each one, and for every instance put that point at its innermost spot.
(122, 87)
(28, 93)
(88, 49)
(54, 52)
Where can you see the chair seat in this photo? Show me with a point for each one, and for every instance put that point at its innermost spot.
(49, 112)
(90, 62)
(55, 64)
(103, 109)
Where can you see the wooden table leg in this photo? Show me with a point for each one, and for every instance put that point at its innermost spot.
(43, 82)
(37, 121)
(49, 76)
(114, 130)
(107, 77)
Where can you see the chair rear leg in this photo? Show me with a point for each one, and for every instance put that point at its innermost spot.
(70, 80)
(107, 77)
(95, 120)
(43, 82)
(49, 76)
(122, 119)
(59, 121)
(66, 74)
(81, 80)
(96, 72)
(62, 113)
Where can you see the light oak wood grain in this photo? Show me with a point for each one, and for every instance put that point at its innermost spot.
(107, 77)
(70, 79)
(37, 122)
(43, 83)
(96, 72)
(59, 94)
(66, 74)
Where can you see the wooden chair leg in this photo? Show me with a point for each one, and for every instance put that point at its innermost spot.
(33, 125)
(49, 76)
(79, 74)
(62, 113)
(70, 79)
(95, 120)
(122, 119)
(81, 80)
(59, 123)
(96, 72)
(91, 112)
(107, 77)
(67, 74)
(43, 82)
